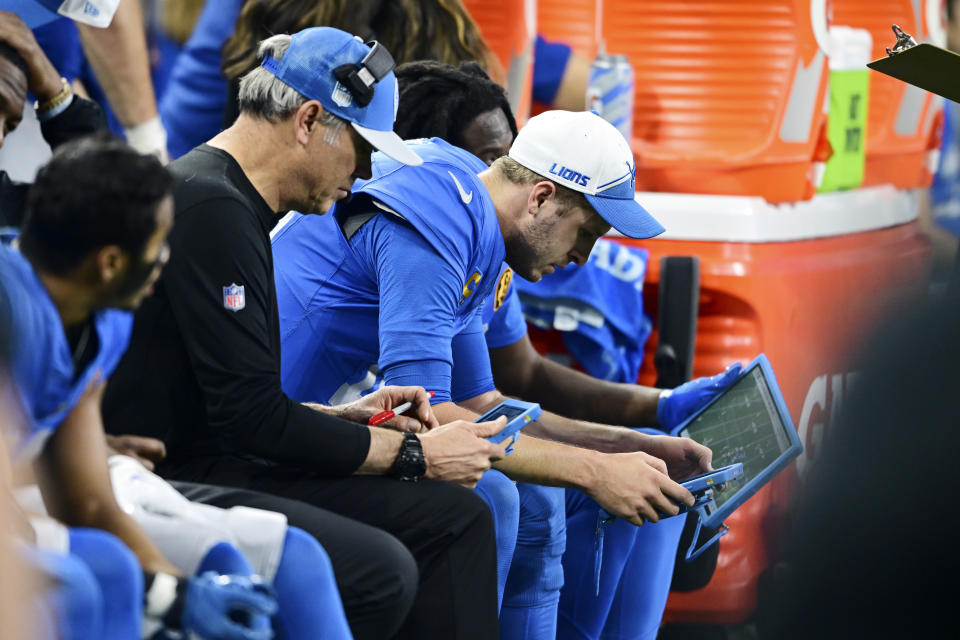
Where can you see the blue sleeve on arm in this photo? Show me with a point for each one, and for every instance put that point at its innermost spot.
(193, 105)
(550, 61)
(472, 374)
(60, 42)
(419, 296)
(507, 324)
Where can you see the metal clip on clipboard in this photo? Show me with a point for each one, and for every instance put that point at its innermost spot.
(922, 65)
(904, 41)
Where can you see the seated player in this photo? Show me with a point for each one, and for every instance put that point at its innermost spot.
(463, 106)
(390, 287)
(93, 243)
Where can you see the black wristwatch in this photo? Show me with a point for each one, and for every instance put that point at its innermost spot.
(410, 464)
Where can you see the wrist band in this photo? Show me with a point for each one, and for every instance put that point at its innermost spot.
(148, 137)
(163, 596)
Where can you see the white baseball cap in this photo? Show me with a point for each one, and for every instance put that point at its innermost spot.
(582, 151)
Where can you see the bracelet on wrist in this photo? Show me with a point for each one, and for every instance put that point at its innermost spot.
(52, 103)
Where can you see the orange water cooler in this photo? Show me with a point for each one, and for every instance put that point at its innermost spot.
(803, 283)
(730, 139)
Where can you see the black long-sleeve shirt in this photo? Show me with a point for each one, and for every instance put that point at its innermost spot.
(203, 368)
(81, 118)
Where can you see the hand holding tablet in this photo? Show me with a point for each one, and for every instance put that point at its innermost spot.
(519, 414)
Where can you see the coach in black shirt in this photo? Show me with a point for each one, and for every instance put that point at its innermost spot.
(203, 368)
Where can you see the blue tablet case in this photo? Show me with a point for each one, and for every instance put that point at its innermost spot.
(748, 423)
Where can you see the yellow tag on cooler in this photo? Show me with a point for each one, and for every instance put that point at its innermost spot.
(847, 117)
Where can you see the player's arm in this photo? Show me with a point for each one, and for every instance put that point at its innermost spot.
(507, 327)
(417, 314)
(79, 117)
(683, 456)
(118, 56)
(522, 372)
(16, 522)
(75, 482)
(560, 76)
(633, 486)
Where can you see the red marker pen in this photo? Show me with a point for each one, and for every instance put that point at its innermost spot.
(383, 416)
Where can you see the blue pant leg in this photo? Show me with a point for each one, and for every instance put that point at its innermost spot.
(536, 576)
(310, 604)
(583, 611)
(120, 579)
(638, 606)
(500, 494)
(72, 608)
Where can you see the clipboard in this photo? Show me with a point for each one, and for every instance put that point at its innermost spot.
(923, 65)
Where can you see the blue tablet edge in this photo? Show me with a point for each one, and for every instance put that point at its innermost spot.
(744, 493)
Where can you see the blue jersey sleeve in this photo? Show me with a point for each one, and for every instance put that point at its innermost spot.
(196, 95)
(472, 374)
(507, 324)
(551, 61)
(419, 295)
(60, 42)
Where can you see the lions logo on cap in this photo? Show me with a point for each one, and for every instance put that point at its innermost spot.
(503, 288)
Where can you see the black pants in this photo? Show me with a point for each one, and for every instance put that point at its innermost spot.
(376, 575)
(448, 529)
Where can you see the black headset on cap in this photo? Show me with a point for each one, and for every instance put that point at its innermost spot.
(360, 78)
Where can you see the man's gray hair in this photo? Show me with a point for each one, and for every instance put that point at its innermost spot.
(264, 95)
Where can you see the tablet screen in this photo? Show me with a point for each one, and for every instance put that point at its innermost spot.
(503, 410)
(742, 425)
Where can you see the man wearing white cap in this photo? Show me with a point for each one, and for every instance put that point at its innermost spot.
(203, 368)
(388, 289)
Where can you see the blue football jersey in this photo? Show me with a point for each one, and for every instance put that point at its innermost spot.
(42, 365)
(598, 307)
(386, 305)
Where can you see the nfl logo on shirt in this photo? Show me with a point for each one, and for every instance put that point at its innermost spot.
(233, 297)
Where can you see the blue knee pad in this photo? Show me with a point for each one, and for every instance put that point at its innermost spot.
(638, 606)
(310, 605)
(73, 604)
(225, 559)
(536, 575)
(119, 577)
(500, 494)
(583, 609)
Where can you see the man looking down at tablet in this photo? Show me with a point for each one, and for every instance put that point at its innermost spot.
(464, 107)
(401, 272)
